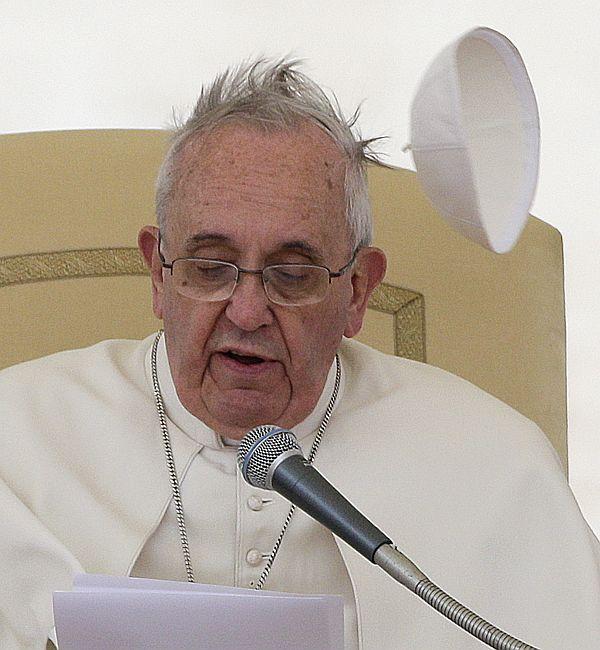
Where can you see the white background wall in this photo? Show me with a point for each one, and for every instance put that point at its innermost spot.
(79, 64)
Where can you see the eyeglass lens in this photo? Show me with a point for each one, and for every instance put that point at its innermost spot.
(285, 284)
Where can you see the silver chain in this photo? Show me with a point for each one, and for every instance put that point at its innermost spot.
(160, 409)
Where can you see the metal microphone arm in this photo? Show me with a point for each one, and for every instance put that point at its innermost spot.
(397, 565)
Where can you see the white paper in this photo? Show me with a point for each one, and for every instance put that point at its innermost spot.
(106, 612)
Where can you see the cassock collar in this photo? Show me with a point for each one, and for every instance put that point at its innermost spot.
(199, 432)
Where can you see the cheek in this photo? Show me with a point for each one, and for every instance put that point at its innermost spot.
(317, 334)
(187, 326)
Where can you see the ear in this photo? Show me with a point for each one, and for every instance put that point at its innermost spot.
(369, 271)
(148, 245)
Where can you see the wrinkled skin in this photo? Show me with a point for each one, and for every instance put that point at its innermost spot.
(255, 198)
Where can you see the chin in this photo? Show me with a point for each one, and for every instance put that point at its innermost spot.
(243, 422)
(241, 417)
(247, 407)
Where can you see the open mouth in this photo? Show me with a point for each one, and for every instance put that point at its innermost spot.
(231, 365)
(246, 360)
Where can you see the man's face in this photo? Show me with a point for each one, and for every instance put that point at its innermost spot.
(256, 198)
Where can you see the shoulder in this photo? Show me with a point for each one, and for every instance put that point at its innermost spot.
(119, 356)
(61, 410)
(374, 375)
(438, 407)
(48, 393)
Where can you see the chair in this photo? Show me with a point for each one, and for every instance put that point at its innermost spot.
(70, 275)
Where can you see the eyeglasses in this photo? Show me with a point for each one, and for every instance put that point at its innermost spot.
(290, 285)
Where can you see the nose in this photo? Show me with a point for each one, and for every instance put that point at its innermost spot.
(249, 308)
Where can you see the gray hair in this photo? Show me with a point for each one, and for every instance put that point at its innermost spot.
(275, 95)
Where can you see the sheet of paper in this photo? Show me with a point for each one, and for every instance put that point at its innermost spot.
(95, 582)
(104, 612)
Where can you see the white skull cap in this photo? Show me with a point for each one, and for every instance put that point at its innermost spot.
(475, 138)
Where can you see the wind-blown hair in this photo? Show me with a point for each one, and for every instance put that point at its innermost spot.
(274, 95)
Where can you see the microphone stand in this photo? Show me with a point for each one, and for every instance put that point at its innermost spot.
(404, 571)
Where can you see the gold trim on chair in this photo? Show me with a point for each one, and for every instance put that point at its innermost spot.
(408, 311)
(406, 307)
(61, 265)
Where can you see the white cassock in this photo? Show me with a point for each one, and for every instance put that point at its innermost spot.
(469, 489)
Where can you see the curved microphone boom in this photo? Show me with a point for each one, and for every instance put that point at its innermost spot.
(270, 458)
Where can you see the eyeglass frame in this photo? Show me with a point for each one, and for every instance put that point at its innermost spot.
(239, 269)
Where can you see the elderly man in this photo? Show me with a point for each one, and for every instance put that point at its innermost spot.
(261, 271)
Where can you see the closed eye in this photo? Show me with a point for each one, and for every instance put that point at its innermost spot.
(290, 274)
(206, 269)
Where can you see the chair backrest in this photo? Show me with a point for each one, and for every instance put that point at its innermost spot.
(70, 275)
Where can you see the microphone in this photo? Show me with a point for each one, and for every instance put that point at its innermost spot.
(269, 457)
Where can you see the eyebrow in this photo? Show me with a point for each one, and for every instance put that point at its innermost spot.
(299, 245)
(193, 242)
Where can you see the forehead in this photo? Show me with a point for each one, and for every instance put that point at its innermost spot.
(254, 185)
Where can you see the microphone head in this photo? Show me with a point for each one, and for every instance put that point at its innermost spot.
(259, 449)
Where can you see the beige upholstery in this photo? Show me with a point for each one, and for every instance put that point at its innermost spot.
(72, 204)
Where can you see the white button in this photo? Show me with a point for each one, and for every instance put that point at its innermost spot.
(254, 557)
(255, 503)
